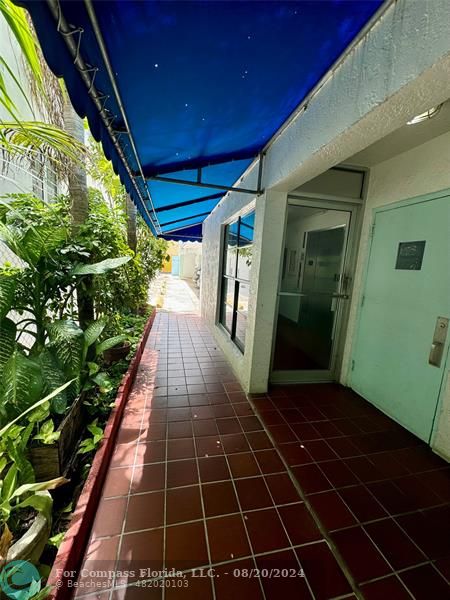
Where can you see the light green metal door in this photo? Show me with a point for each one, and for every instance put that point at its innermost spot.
(406, 290)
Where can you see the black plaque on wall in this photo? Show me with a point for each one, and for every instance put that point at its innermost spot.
(410, 255)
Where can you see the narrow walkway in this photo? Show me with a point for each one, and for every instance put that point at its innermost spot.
(174, 294)
(196, 483)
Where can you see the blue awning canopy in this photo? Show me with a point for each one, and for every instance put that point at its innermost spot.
(190, 91)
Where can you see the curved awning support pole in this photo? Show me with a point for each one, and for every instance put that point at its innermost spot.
(88, 73)
(104, 52)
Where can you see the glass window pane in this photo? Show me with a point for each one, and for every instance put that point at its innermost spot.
(231, 240)
(246, 232)
(244, 263)
(226, 316)
(242, 312)
(247, 229)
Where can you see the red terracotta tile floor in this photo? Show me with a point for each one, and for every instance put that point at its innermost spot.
(316, 495)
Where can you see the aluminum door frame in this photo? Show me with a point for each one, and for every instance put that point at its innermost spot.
(343, 310)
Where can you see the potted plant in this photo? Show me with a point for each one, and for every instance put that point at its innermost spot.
(117, 352)
(52, 456)
(25, 506)
(115, 345)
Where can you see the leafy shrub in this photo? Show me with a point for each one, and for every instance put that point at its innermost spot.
(40, 291)
(104, 235)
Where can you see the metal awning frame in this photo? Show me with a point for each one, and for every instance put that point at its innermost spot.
(204, 214)
(72, 39)
(225, 188)
(189, 202)
(181, 228)
(101, 43)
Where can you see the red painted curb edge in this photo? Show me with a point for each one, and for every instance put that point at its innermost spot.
(71, 551)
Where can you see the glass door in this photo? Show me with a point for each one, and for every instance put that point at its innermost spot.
(313, 287)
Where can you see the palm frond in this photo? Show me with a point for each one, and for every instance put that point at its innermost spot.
(5, 97)
(18, 24)
(22, 137)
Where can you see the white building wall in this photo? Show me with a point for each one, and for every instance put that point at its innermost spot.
(422, 170)
(190, 258)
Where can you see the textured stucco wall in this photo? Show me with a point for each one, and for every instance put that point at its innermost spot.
(400, 68)
(229, 208)
(252, 366)
(422, 170)
(265, 276)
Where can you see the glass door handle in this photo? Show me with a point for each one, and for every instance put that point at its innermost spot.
(301, 295)
(298, 294)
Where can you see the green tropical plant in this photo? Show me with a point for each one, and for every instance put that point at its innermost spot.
(92, 442)
(18, 488)
(104, 234)
(19, 136)
(152, 250)
(126, 229)
(100, 169)
(65, 357)
(47, 433)
(41, 289)
(18, 24)
(14, 497)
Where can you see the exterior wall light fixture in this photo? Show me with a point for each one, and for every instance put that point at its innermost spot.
(428, 114)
